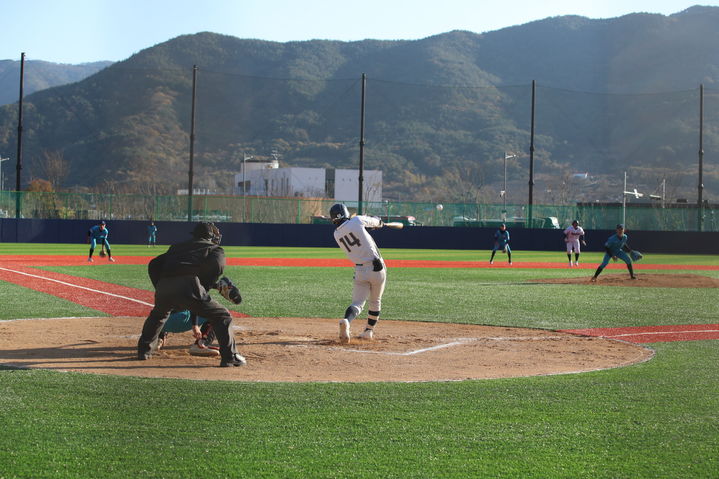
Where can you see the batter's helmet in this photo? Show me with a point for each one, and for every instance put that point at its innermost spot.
(207, 231)
(339, 213)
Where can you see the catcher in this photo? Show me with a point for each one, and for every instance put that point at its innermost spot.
(182, 278)
(501, 241)
(183, 321)
(617, 247)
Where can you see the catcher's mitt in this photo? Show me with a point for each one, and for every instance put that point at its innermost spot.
(636, 255)
(228, 290)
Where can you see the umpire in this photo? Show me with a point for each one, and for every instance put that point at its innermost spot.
(182, 278)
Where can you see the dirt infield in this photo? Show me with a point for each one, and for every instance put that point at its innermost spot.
(643, 281)
(305, 349)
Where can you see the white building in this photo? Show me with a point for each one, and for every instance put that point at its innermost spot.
(267, 179)
(347, 185)
(283, 182)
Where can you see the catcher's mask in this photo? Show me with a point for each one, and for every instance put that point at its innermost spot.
(207, 231)
(339, 213)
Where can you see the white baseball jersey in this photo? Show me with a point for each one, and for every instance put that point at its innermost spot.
(353, 238)
(355, 241)
(572, 237)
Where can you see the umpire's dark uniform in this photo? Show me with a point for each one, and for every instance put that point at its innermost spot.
(182, 277)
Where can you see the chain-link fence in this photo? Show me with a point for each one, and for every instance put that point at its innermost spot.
(239, 209)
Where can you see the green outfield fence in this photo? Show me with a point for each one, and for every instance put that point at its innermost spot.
(239, 209)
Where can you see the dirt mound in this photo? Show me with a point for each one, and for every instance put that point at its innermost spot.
(306, 349)
(642, 281)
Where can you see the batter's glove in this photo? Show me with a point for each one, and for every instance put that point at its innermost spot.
(228, 290)
(636, 255)
(377, 265)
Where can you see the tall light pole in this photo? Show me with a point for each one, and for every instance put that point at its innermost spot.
(507, 156)
(2, 180)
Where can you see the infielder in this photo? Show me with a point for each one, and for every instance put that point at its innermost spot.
(574, 236)
(616, 247)
(182, 321)
(98, 234)
(501, 241)
(370, 272)
(151, 234)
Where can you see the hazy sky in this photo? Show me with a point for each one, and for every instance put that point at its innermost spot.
(77, 31)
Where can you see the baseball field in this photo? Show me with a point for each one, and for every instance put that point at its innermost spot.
(526, 370)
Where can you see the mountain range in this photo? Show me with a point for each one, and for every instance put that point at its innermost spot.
(40, 75)
(440, 113)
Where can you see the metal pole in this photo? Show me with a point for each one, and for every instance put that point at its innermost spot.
(504, 186)
(531, 161)
(624, 201)
(192, 145)
(700, 186)
(18, 168)
(361, 146)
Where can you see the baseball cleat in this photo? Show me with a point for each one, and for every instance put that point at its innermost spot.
(89, 260)
(593, 279)
(199, 348)
(367, 334)
(111, 260)
(344, 331)
(491, 262)
(236, 360)
(570, 264)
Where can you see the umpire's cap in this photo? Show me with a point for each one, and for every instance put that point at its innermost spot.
(205, 230)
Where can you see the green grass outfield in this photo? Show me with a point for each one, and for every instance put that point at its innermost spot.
(655, 419)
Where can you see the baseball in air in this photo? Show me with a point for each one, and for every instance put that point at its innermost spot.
(440, 207)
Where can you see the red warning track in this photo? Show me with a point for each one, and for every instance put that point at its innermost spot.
(60, 260)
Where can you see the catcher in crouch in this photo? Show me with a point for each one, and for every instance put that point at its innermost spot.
(182, 278)
(370, 272)
(183, 321)
(617, 247)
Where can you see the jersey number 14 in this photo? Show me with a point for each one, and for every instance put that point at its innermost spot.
(350, 240)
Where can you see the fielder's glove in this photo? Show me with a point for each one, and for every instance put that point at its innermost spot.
(636, 255)
(102, 254)
(228, 290)
(377, 265)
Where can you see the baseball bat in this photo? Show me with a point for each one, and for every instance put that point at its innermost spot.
(395, 225)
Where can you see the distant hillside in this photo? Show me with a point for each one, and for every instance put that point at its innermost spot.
(612, 95)
(40, 75)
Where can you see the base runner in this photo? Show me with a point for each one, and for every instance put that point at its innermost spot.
(370, 271)
(574, 236)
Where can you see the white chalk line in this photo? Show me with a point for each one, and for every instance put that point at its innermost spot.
(458, 342)
(663, 332)
(79, 287)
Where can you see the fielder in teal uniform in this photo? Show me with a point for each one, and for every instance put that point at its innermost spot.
(151, 234)
(98, 234)
(501, 241)
(183, 321)
(616, 247)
